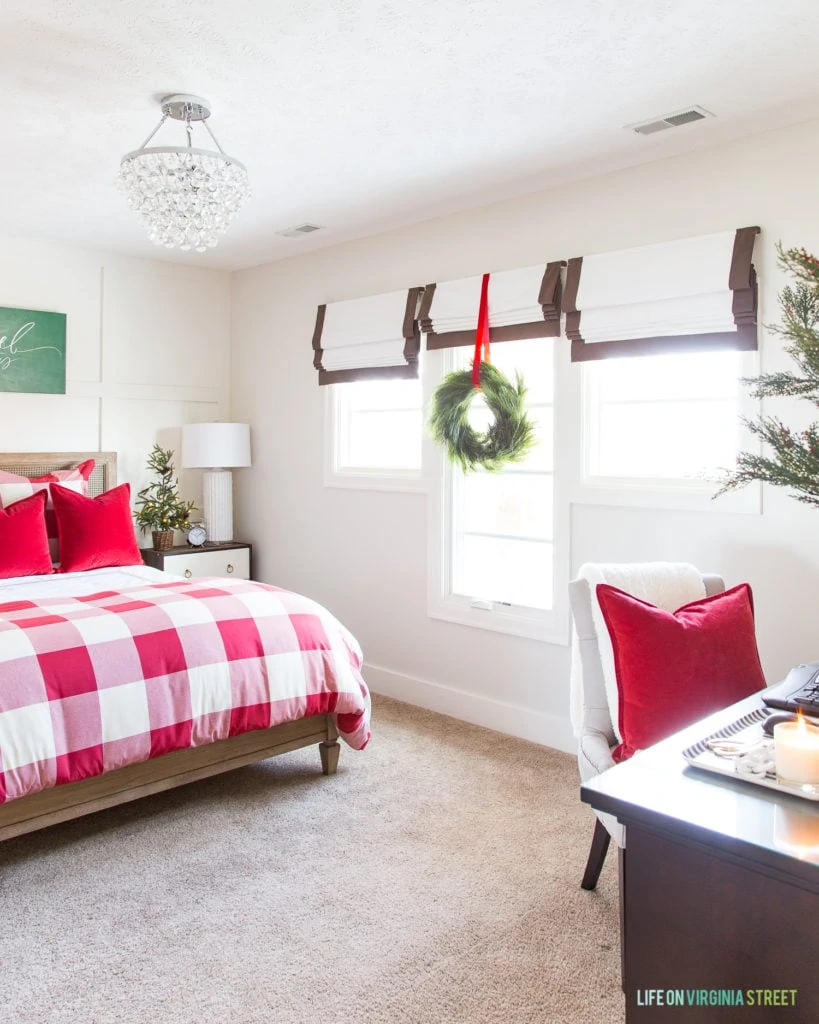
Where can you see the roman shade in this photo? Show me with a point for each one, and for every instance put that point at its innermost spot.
(691, 294)
(369, 338)
(523, 303)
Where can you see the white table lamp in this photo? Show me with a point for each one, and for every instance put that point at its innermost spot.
(218, 448)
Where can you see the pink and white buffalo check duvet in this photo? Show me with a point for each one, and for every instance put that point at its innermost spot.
(92, 683)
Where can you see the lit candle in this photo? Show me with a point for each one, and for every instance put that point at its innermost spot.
(796, 750)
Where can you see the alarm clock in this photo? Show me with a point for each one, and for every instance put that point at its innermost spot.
(197, 535)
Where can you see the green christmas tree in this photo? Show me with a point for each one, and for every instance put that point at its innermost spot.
(793, 458)
(158, 506)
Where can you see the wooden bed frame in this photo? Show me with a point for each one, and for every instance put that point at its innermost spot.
(74, 799)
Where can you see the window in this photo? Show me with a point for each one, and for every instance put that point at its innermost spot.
(653, 431)
(503, 523)
(495, 560)
(376, 432)
(665, 422)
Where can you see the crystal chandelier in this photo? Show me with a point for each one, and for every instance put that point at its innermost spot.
(186, 196)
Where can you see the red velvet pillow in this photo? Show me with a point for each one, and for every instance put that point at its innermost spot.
(676, 667)
(23, 539)
(95, 532)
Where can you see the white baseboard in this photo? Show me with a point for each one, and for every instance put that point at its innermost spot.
(548, 730)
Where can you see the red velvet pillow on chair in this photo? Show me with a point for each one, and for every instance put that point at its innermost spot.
(95, 532)
(676, 667)
(23, 539)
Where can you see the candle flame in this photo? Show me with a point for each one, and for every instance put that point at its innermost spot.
(805, 727)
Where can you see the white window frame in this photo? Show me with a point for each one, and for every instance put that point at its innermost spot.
(548, 626)
(361, 478)
(662, 493)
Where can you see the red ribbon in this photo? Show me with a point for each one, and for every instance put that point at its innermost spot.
(482, 334)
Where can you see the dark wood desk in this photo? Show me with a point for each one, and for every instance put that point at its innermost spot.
(719, 888)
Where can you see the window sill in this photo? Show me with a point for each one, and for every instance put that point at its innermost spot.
(375, 481)
(671, 495)
(549, 627)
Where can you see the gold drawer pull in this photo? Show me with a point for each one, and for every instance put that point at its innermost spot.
(188, 574)
(229, 567)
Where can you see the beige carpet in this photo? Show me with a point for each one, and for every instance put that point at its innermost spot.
(434, 879)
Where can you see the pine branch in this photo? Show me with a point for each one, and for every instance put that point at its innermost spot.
(757, 468)
(793, 458)
(802, 265)
(800, 308)
(794, 463)
(783, 384)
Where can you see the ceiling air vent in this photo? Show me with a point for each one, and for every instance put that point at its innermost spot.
(681, 117)
(299, 230)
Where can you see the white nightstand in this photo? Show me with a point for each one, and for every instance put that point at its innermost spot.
(229, 559)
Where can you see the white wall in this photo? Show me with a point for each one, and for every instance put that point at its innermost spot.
(147, 349)
(364, 553)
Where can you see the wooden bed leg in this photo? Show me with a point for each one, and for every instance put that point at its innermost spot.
(329, 757)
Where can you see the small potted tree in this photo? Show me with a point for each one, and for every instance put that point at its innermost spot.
(158, 506)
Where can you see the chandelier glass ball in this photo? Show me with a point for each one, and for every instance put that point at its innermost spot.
(186, 196)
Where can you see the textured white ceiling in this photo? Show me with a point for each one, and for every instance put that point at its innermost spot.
(364, 115)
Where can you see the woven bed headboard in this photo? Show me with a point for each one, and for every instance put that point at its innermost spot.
(102, 479)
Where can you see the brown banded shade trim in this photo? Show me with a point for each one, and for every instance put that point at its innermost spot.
(743, 340)
(572, 327)
(408, 371)
(512, 332)
(549, 298)
(551, 293)
(742, 268)
(741, 280)
(412, 347)
(426, 306)
(317, 330)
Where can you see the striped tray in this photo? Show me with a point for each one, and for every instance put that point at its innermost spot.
(747, 732)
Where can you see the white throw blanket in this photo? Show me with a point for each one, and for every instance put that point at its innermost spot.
(669, 585)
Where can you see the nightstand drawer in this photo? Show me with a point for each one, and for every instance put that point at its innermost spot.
(190, 562)
(210, 563)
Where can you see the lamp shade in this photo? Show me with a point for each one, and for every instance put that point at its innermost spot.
(211, 445)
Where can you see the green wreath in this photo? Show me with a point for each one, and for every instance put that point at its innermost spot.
(510, 436)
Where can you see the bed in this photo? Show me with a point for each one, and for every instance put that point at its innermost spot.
(118, 599)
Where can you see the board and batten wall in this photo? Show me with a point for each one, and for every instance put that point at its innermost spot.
(364, 553)
(148, 349)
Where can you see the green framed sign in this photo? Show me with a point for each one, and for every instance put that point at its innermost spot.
(32, 351)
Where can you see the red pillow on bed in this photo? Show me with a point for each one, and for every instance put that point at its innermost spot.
(95, 532)
(23, 540)
(14, 487)
(673, 668)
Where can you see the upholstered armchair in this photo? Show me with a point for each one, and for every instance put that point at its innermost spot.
(596, 734)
